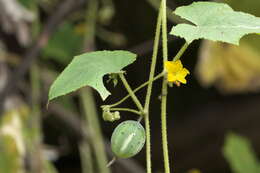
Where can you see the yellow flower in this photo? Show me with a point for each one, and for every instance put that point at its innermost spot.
(176, 72)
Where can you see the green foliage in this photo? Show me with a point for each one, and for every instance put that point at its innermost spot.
(214, 21)
(240, 155)
(89, 69)
(247, 6)
(219, 23)
(251, 7)
(231, 68)
(64, 44)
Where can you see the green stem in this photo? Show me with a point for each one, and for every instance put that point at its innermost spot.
(86, 158)
(164, 125)
(172, 17)
(34, 123)
(137, 89)
(164, 31)
(181, 51)
(131, 93)
(153, 64)
(149, 92)
(92, 122)
(164, 91)
(127, 110)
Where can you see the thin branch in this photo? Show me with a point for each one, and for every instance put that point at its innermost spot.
(131, 93)
(170, 16)
(127, 110)
(137, 89)
(181, 51)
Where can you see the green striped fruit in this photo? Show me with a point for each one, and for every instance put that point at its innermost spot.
(128, 139)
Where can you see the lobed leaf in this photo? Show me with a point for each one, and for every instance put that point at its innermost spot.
(214, 21)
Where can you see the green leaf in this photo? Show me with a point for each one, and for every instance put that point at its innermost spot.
(214, 21)
(247, 6)
(240, 155)
(89, 69)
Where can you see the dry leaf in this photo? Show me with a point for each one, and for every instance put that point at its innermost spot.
(230, 68)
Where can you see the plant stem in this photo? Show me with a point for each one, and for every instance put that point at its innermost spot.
(111, 161)
(149, 93)
(164, 125)
(92, 122)
(181, 51)
(172, 17)
(153, 64)
(131, 93)
(164, 91)
(34, 142)
(127, 110)
(164, 31)
(137, 89)
(86, 158)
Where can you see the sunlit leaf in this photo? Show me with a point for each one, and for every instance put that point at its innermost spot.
(89, 69)
(214, 21)
(230, 68)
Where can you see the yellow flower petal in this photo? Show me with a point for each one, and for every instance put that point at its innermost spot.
(173, 66)
(182, 79)
(184, 72)
(176, 72)
(178, 65)
(171, 77)
(169, 67)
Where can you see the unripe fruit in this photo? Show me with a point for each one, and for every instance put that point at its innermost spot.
(128, 139)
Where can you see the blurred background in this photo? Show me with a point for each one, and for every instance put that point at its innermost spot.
(213, 121)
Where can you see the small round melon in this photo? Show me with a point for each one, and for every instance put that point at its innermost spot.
(128, 139)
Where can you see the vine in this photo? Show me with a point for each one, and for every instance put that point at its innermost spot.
(91, 67)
